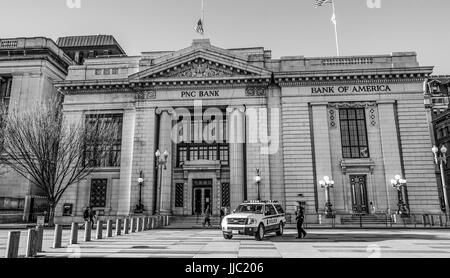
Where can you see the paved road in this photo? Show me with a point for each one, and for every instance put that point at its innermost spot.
(209, 243)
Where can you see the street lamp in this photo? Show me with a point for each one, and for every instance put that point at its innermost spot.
(400, 184)
(327, 183)
(258, 182)
(440, 159)
(161, 160)
(140, 206)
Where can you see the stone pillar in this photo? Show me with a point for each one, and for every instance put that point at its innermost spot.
(126, 226)
(277, 188)
(322, 150)
(57, 237)
(12, 245)
(118, 227)
(109, 225)
(164, 191)
(390, 150)
(99, 231)
(126, 161)
(74, 233)
(133, 224)
(31, 243)
(236, 139)
(87, 230)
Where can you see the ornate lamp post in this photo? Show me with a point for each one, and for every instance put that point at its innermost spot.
(161, 160)
(400, 184)
(327, 183)
(140, 206)
(258, 182)
(440, 159)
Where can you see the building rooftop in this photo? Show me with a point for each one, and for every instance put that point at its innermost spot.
(88, 41)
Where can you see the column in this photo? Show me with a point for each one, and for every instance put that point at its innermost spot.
(126, 161)
(390, 151)
(164, 191)
(277, 188)
(322, 150)
(236, 139)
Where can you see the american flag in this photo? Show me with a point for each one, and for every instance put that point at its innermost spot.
(319, 3)
(199, 28)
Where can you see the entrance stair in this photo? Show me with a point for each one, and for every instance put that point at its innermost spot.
(365, 219)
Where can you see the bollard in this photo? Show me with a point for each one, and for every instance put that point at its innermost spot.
(150, 223)
(31, 243)
(12, 245)
(140, 224)
(40, 238)
(109, 225)
(87, 231)
(99, 231)
(74, 233)
(57, 238)
(118, 227)
(133, 224)
(144, 224)
(126, 226)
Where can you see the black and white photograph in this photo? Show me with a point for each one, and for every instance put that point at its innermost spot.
(243, 132)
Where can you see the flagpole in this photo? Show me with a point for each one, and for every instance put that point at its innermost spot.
(203, 19)
(335, 28)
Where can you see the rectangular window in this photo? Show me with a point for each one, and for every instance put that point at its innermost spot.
(98, 71)
(353, 133)
(5, 90)
(179, 195)
(107, 71)
(113, 155)
(191, 152)
(115, 71)
(98, 193)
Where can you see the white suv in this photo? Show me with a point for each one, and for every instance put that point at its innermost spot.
(254, 218)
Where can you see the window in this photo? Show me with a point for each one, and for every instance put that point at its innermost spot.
(270, 210)
(353, 133)
(179, 195)
(279, 209)
(107, 71)
(225, 194)
(191, 152)
(115, 71)
(112, 158)
(98, 71)
(5, 90)
(98, 193)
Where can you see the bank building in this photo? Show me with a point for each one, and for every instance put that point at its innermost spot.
(217, 118)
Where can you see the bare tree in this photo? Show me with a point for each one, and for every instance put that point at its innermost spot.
(38, 145)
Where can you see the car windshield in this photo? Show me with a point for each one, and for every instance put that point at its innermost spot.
(250, 208)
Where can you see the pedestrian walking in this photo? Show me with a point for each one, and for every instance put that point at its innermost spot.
(85, 216)
(92, 216)
(222, 214)
(300, 218)
(207, 217)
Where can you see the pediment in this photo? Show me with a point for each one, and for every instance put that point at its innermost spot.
(204, 63)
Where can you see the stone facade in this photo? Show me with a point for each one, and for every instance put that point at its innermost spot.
(287, 113)
(34, 65)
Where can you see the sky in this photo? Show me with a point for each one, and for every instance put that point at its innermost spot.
(287, 27)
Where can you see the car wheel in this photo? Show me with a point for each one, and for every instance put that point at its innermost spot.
(260, 232)
(227, 236)
(280, 229)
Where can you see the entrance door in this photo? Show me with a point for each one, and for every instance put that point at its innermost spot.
(202, 196)
(359, 194)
